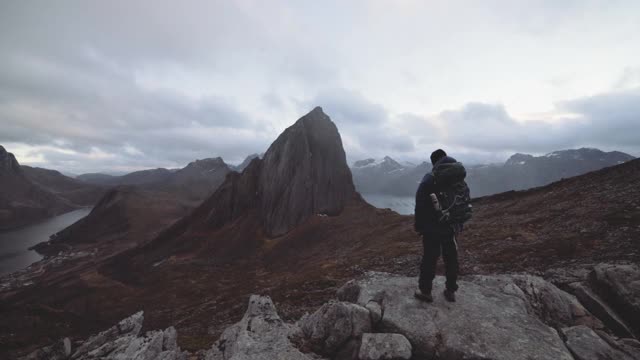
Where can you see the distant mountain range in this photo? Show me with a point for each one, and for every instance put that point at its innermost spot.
(30, 194)
(194, 182)
(521, 171)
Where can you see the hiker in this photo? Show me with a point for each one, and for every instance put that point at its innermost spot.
(442, 207)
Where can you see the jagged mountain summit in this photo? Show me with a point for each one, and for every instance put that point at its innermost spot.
(303, 173)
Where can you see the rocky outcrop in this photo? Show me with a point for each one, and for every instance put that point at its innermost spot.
(260, 335)
(304, 173)
(492, 319)
(122, 341)
(377, 317)
(495, 317)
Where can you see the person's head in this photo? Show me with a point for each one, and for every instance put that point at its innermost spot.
(437, 155)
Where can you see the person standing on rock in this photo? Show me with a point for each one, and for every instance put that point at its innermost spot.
(443, 205)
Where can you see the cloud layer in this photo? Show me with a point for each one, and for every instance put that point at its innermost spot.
(118, 86)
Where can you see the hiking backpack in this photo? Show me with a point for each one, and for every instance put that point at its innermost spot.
(453, 194)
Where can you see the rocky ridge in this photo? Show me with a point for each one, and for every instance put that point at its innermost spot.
(376, 317)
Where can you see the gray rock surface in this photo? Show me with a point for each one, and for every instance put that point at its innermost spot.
(585, 344)
(304, 173)
(260, 335)
(555, 307)
(599, 308)
(384, 347)
(619, 286)
(491, 319)
(8, 163)
(121, 341)
(333, 325)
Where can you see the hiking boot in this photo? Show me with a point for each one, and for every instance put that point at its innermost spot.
(449, 295)
(423, 295)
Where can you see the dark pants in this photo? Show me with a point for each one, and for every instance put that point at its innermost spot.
(433, 245)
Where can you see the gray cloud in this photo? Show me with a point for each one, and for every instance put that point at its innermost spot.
(609, 120)
(119, 84)
(370, 130)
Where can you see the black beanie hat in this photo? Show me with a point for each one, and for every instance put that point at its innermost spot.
(437, 155)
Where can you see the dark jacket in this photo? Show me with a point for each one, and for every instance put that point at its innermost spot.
(426, 220)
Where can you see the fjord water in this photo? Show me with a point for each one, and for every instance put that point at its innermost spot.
(403, 205)
(14, 244)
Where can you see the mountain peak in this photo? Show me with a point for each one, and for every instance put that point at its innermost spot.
(206, 164)
(304, 172)
(518, 159)
(8, 163)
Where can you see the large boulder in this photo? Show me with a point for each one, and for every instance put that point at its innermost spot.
(332, 326)
(260, 335)
(492, 318)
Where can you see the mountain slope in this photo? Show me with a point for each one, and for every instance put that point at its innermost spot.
(73, 190)
(125, 217)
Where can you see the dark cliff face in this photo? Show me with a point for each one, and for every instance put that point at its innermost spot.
(8, 163)
(23, 202)
(304, 173)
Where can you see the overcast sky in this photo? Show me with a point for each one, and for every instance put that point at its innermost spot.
(90, 86)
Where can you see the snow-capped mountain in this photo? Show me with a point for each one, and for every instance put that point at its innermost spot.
(520, 171)
(373, 175)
